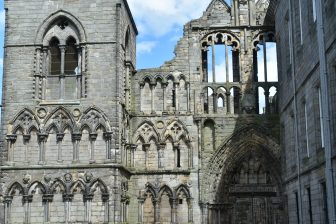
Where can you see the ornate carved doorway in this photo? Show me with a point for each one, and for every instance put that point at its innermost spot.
(245, 183)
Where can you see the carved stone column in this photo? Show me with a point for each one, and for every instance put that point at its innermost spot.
(44, 72)
(141, 202)
(190, 210)
(176, 84)
(164, 109)
(105, 199)
(156, 204)
(87, 202)
(42, 140)
(27, 200)
(8, 204)
(228, 102)
(173, 205)
(47, 199)
(38, 72)
(152, 87)
(62, 77)
(215, 101)
(67, 199)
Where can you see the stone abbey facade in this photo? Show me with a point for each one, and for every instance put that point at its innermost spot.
(86, 138)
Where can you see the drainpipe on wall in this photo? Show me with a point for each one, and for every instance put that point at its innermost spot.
(298, 160)
(325, 112)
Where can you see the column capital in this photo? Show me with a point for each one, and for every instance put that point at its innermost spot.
(59, 137)
(93, 136)
(11, 138)
(42, 137)
(76, 136)
(47, 197)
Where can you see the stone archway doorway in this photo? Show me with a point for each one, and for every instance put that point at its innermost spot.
(248, 193)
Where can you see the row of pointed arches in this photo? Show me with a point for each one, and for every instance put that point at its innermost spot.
(61, 136)
(164, 205)
(164, 94)
(58, 200)
(169, 148)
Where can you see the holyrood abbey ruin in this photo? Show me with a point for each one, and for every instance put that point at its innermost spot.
(217, 135)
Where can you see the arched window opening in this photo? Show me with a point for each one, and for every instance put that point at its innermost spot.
(220, 102)
(261, 107)
(71, 58)
(220, 59)
(61, 63)
(55, 57)
(265, 59)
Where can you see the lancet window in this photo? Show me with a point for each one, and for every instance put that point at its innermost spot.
(220, 58)
(265, 73)
(60, 62)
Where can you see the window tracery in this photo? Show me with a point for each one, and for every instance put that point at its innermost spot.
(60, 62)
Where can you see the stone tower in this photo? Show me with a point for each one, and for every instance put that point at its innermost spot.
(88, 139)
(67, 63)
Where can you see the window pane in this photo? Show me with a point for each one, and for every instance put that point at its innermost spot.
(71, 58)
(55, 57)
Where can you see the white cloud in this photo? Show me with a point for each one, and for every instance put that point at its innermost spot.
(1, 62)
(145, 47)
(158, 18)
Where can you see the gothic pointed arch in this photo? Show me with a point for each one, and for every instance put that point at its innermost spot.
(98, 183)
(94, 118)
(26, 121)
(36, 185)
(176, 131)
(166, 189)
(151, 190)
(77, 187)
(183, 189)
(54, 17)
(58, 186)
(147, 132)
(61, 119)
(219, 176)
(15, 188)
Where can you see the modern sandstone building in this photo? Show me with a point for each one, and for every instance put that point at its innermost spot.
(205, 138)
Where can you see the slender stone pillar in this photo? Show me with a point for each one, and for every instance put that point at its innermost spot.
(141, 202)
(62, 77)
(173, 205)
(47, 199)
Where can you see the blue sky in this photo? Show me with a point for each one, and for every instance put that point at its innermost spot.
(160, 25)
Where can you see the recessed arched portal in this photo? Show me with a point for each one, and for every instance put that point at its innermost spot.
(242, 183)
